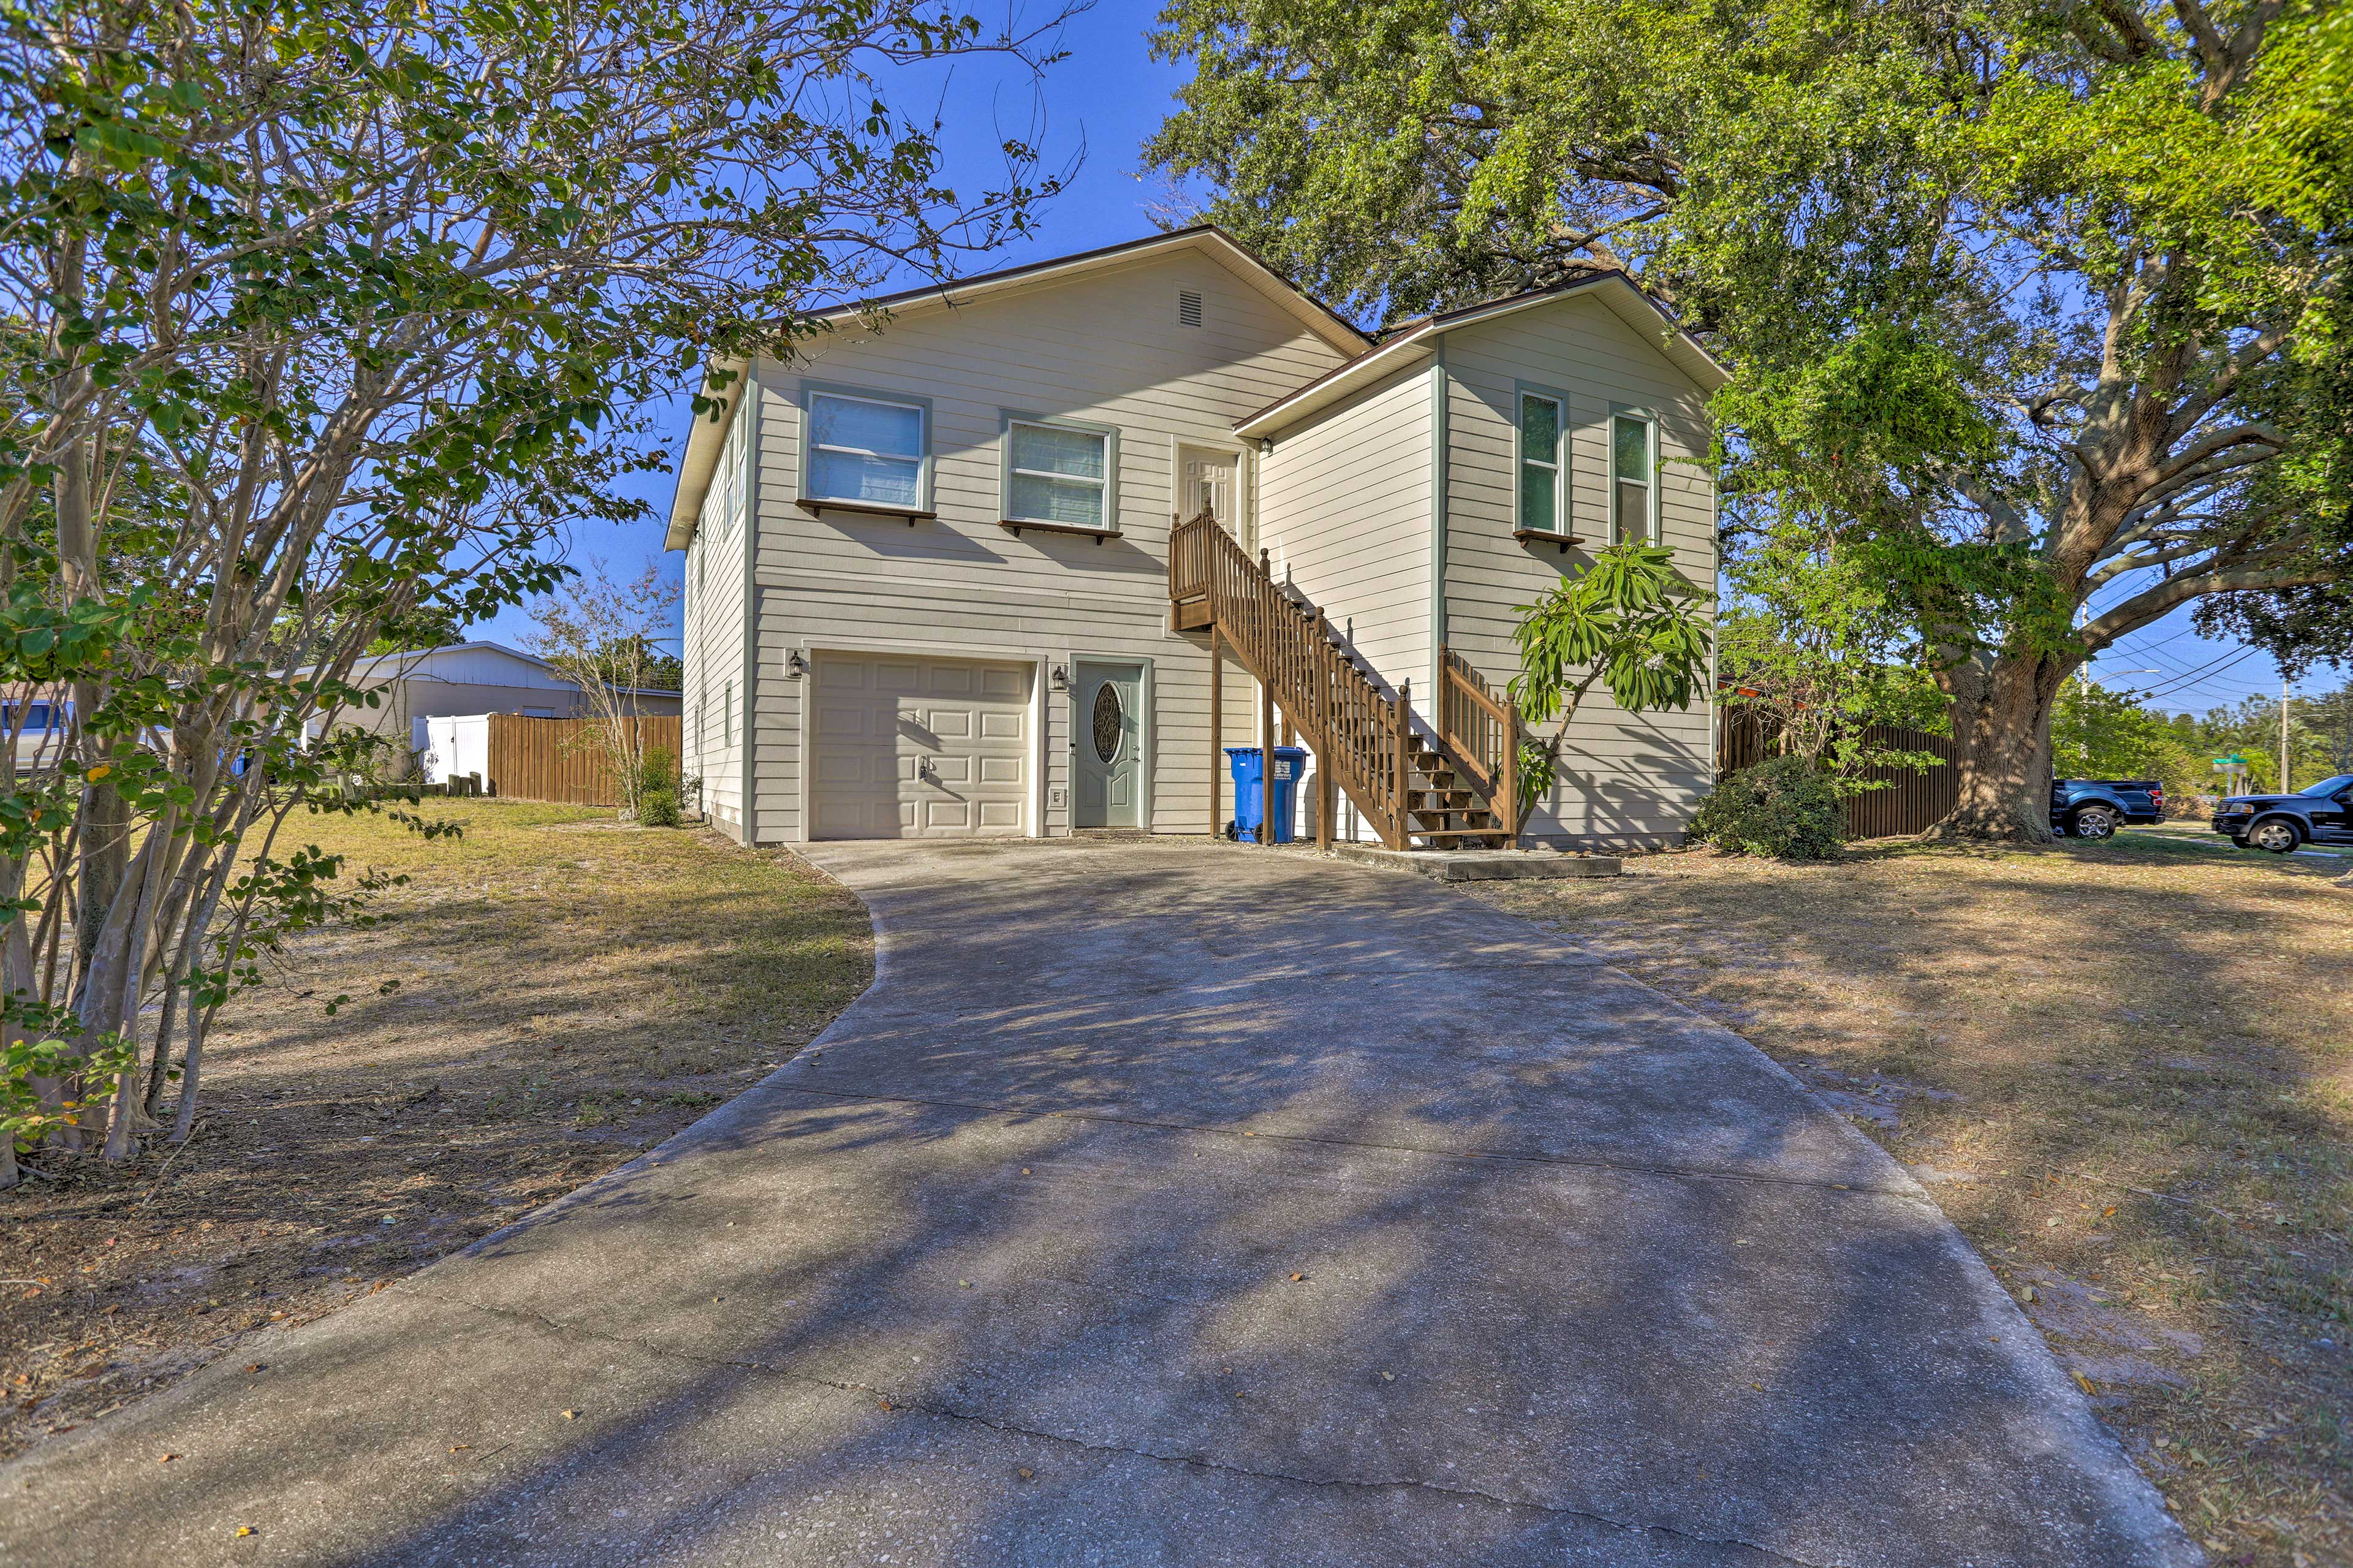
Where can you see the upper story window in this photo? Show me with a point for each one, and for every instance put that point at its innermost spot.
(1633, 478)
(867, 451)
(1544, 490)
(1059, 475)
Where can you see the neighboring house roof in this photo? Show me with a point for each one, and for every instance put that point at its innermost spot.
(1410, 342)
(703, 446)
(419, 664)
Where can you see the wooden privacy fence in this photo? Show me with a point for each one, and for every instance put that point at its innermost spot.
(1915, 799)
(563, 759)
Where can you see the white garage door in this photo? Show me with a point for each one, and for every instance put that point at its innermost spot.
(920, 748)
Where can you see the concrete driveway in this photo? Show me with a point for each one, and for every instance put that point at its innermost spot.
(1170, 1204)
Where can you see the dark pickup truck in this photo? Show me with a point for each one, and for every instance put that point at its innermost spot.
(2317, 813)
(2096, 808)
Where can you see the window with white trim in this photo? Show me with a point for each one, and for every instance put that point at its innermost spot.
(1057, 475)
(1544, 494)
(866, 450)
(1633, 478)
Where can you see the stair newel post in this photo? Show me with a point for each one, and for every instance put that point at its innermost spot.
(1510, 775)
(1404, 764)
(1266, 757)
(1319, 663)
(1217, 730)
(1445, 714)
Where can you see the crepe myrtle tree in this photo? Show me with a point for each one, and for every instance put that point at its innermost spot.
(2053, 297)
(320, 315)
(599, 635)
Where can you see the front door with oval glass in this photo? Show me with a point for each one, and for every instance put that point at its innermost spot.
(1107, 730)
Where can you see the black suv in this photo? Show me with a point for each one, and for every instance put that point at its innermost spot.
(2320, 814)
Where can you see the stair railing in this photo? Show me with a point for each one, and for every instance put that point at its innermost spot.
(1359, 733)
(1479, 730)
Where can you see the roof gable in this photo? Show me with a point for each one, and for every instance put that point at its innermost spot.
(710, 432)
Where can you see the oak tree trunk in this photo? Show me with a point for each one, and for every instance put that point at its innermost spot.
(2002, 730)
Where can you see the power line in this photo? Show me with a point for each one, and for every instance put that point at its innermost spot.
(2192, 679)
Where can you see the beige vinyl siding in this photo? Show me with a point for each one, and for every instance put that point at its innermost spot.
(1344, 511)
(713, 634)
(1102, 349)
(1625, 777)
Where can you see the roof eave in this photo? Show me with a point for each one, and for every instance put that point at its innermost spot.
(696, 465)
(1626, 300)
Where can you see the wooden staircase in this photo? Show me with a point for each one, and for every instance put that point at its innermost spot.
(1458, 790)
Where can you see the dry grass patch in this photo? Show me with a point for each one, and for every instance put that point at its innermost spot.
(2126, 1072)
(549, 996)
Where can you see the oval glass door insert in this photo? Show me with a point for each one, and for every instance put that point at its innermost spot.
(1108, 722)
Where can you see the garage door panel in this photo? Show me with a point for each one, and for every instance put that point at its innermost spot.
(914, 747)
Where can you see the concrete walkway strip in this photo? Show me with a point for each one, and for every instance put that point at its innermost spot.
(1170, 1204)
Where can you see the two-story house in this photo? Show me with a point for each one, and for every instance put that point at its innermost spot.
(1014, 556)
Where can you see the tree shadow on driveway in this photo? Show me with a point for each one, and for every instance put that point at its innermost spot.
(1166, 1205)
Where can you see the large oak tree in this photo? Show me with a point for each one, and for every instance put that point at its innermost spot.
(2043, 304)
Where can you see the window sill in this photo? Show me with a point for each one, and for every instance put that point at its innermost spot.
(814, 505)
(1015, 526)
(1546, 536)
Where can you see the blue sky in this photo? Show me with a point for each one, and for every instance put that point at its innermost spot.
(1107, 97)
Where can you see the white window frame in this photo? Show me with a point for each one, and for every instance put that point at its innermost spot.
(920, 406)
(1651, 528)
(1109, 483)
(1558, 462)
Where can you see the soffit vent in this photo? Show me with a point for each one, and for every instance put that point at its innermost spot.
(1188, 308)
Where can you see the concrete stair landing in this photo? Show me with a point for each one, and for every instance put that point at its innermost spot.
(1481, 864)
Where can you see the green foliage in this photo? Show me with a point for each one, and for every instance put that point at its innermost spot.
(89, 1072)
(1821, 642)
(2097, 733)
(659, 788)
(657, 769)
(1626, 621)
(1783, 807)
(2320, 739)
(319, 321)
(2050, 302)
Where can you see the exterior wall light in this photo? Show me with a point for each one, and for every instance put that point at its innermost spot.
(794, 666)
(1062, 677)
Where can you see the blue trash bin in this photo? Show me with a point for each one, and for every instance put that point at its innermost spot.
(1290, 764)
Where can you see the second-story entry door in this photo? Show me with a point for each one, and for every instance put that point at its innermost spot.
(1107, 731)
(1213, 479)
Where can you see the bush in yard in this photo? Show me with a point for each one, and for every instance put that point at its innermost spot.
(658, 788)
(1784, 806)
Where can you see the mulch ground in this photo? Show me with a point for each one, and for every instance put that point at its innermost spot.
(551, 994)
